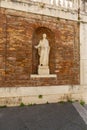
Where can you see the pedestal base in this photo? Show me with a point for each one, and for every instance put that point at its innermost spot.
(43, 76)
(43, 70)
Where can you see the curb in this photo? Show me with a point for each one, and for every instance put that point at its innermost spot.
(81, 110)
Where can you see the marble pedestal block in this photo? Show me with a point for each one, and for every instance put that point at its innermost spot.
(43, 70)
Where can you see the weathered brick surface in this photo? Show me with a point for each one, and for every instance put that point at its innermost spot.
(20, 31)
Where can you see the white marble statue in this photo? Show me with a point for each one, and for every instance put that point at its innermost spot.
(43, 51)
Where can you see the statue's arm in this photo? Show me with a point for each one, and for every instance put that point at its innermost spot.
(37, 46)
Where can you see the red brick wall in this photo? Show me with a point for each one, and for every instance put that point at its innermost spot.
(20, 31)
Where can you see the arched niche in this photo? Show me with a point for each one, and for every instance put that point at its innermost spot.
(37, 36)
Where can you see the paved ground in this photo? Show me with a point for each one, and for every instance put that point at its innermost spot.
(85, 106)
(41, 117)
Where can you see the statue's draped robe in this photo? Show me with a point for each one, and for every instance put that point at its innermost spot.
(43, 51)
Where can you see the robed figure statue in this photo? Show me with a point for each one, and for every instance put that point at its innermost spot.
(43, 51)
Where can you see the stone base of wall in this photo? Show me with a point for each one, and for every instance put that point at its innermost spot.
(39, 95)
(84, 94)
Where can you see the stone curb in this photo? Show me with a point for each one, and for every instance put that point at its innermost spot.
(81, 110)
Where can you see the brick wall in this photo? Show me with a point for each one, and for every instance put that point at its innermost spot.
(20, 31)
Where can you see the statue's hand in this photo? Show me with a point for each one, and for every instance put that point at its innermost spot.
(36, 47)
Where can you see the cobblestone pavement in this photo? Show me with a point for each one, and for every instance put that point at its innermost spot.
(57, 116)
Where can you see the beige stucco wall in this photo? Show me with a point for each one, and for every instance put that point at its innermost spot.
(83, 54)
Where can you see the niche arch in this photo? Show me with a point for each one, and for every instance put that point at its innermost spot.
(37, 36)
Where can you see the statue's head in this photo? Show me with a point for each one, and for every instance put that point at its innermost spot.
(44, 35)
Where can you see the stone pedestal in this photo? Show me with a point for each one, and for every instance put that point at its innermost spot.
(43, 70)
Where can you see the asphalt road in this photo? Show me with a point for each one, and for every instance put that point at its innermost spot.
(56, 116)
